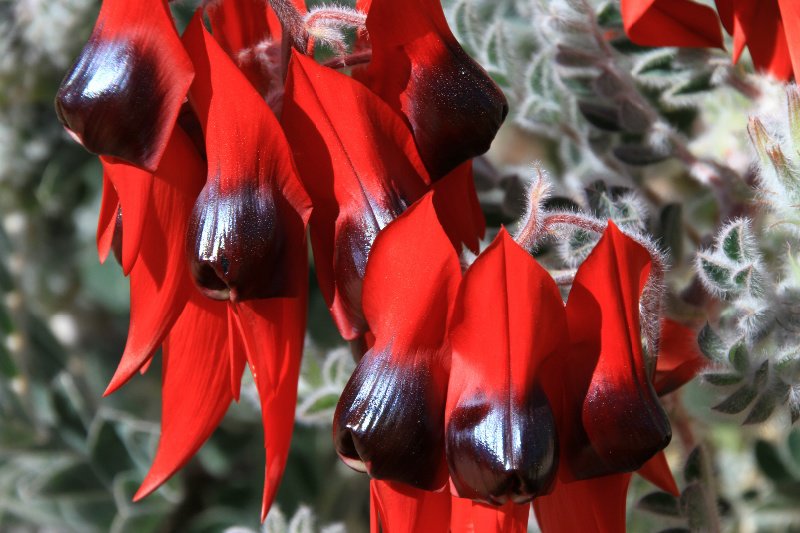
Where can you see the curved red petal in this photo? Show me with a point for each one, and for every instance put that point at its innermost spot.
(612, 420)
(160, 282)
(759, 25)
(242, 28)
(725, 12)
(398, 508)
(357, 187)
(107, 220)
(133, 186)
(133, 60)
(272, 331)
(411, 281)
(671, 23)
(195, 387)
(790, 16)
(456, 202)
(657, 472)
(452, 105)
(679, 357)
(501, 433)
(468, 516)
(248, 223)
(390, 417)
(594, 505)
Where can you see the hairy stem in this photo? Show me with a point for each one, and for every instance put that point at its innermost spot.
(292, 23)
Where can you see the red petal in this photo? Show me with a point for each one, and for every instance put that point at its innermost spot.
(474, 517)
(242, 28)
(398, 508)
(272, 331)
(390, 416)
(725, 11)
(679, 357)
(501, 434)
(133, 187)
(790, 15)
(247, 230)
(759, 25)
(612, 421)
(657, 472)
(592, 505)
(107, 220)
(671, 23)
(457, 205)
(452, 105)
(357, 187)
(238, 24)
(411, 281)
(134, 60)
(160, 282)
(196, 387)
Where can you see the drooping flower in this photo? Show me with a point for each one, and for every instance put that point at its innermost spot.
(500, 429)
(239, 216)
(389, 420)
(610, 419)
(133, 60)
(598, 504)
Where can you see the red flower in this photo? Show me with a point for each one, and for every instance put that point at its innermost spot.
(390, 418)
(357, 187)
(127, 66)
(507, 321)
(671, 23)
(769, 28)
(610, 419)
(598, 504)
(244, 219)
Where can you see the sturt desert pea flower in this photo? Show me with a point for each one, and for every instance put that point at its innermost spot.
(126, 66)
(610, 419)
(507, 321)
(599, 504)
(389, 420)
(453, 107)
(240, 218)
(133, 60)
(246, 249)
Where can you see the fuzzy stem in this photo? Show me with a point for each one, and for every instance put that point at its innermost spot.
(651, 299)
(292, 23)
(353, 18)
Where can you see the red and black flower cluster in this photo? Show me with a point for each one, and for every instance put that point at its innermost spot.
(221, 149)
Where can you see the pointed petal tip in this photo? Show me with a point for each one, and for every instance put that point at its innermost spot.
(148, 487)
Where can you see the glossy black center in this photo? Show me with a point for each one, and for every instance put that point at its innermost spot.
(112, 100)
